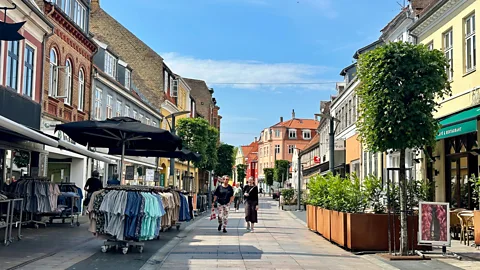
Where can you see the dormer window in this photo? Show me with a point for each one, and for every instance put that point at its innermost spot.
(307, 134)
(128, 78)
(110, 65)
(292, 133)
(75, 10)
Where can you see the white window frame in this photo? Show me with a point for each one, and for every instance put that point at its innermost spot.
(16, 61)
(79, 14)
(109, 106)
(430, 46)
(118, 112)
(26, 68)
(291, 148)
(68, 82)
(174, 89)
(470, 44)
(110, 65)
(135, 115)
(147, 121)
(305, 132)
(98, 103)
(81, 89)
(128, 78)
(53, 78)
(277, 148)
(165, 81)
(127, 111)
(154, 124)
(292, 132)
(277, 133)
(448, 50)
(140, 118)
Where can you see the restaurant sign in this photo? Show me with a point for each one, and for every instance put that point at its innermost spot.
(457, 129)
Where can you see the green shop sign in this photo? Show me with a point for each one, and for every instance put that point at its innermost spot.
(457, 129)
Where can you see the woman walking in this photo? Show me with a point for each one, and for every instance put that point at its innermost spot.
(223, 196)
(237, 193)
(251, 204)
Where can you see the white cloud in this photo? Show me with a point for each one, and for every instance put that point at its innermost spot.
(279, 75)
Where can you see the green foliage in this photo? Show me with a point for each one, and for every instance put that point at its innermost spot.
(394, 193)
(373, 191)
(21, 159)
(269, 172)
(225, 159)
(281, 170)
(289, 197)
(475, 184)
(211, 151)
(241, 172)
(194, 134)
(401, 85)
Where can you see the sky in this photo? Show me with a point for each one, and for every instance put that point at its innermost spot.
(299, 45)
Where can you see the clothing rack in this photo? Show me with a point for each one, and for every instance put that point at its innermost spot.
(9, 219)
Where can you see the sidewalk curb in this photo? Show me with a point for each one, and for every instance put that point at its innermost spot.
(157, 259)
(296, 218)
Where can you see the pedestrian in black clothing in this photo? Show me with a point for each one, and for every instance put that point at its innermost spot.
(251, 204)
(93, 184)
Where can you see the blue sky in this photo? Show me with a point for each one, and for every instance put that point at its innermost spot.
(257, 41)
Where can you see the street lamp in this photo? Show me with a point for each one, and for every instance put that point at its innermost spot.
(172, 130)
(331, 134)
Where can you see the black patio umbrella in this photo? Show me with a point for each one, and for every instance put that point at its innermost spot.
(123, 133)
(183, 154)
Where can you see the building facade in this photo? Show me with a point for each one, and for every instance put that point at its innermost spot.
(309, 163)
(449, 26)
(21, 86)
(67, 83)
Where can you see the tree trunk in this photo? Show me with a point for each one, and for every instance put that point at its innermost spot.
(403, 206)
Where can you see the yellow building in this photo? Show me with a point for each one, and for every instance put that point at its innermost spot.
(177, 99)
(450, 26)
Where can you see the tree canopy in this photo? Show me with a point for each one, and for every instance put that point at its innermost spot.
(225, 159)
(211, 151)
(269, 172)
(241, 172)
(281, 170)
(400, 87)
(199, 137)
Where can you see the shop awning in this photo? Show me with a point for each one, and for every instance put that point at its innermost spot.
(83, 151)
(459, 124)
(26, 132)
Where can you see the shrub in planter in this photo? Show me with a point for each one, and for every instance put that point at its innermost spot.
(288, 196)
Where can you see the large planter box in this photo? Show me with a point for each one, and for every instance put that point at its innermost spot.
(319, 218)
(369, 232)
(338, 228)
(326, 224)
(476, 222)
(311, 217)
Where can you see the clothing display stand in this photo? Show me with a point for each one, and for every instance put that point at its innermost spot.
(18, 223)
(33, 222)
(71, 216)
(7, 217)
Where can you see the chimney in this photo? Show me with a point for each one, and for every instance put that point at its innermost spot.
(293, 114)
(281, 119)
(255, 139)
(94, 5)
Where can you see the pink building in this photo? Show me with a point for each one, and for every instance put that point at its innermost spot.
(279, 141)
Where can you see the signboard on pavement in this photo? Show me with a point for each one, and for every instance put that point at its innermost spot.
(129, 173)
(150, 175)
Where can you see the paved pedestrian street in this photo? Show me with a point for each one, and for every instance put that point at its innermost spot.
(279, 242)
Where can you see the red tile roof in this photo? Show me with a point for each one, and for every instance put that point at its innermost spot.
(313, 143)
(299, 123)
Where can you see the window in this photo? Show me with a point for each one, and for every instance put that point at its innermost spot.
(98, 104)
(291, 148)
(430, 46)
(127, 111)
(171, 87)
(354, 109)
(12, 64)
(277, 149)
(470, 44)
(68, 82)
(174, 89)
(154, 124)
(365, 164)
(141, 118)
(400, 38)
(79, 14)
(66, 6)
(165, 81)
(350, 118)
(128, 77)
(110, 65)
(147, 121)
(307, 134)
(292, 133)
(53, 80)
(135, 115)
(277, 133)
(448, 49)
(81, 90)
(119, 108)
(109, 106)
(28, 72)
